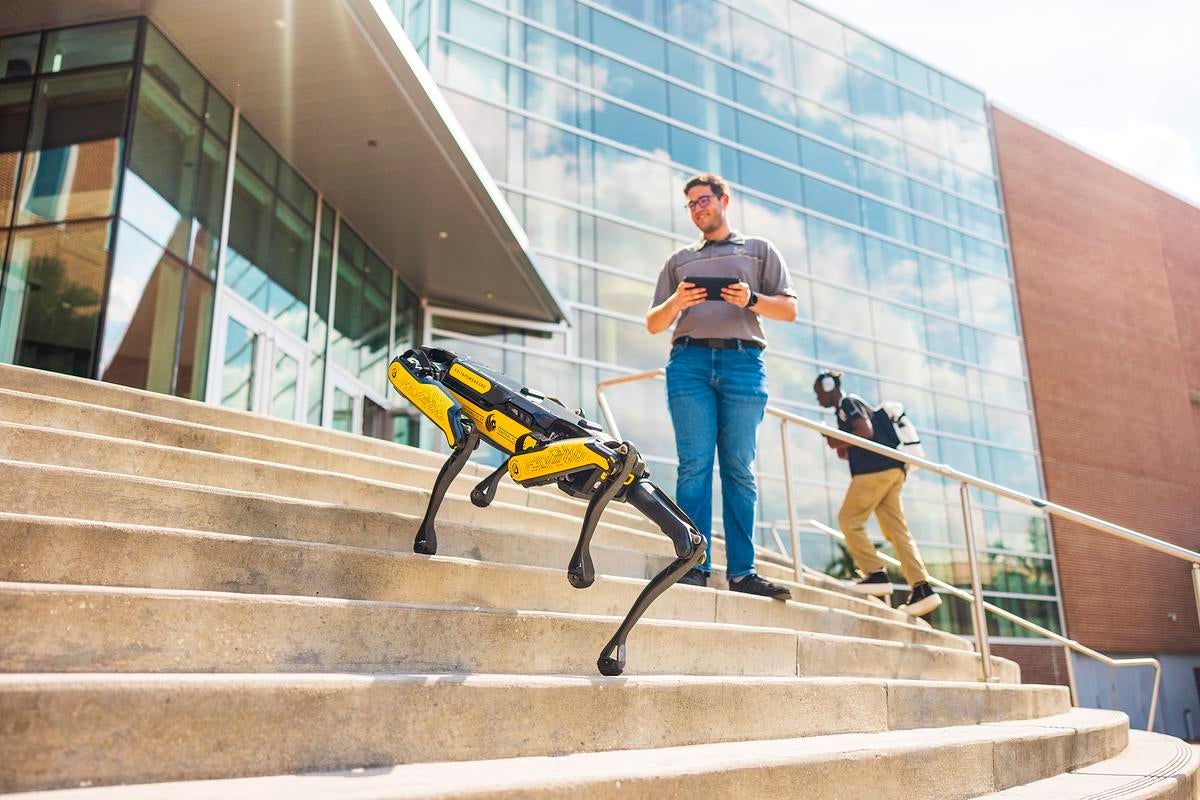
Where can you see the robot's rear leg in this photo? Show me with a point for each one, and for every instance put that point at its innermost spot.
(689, 551)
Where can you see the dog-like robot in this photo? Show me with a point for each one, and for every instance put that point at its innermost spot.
(544, 442)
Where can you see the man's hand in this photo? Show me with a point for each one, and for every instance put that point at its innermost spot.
(736, 293)
(834, 443)
(687, 295)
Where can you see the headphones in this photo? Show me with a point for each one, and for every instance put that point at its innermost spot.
(828, 383)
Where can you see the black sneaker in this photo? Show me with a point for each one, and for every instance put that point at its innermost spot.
(753, 584)
(694, 577)
(921, 600)
(876, 584)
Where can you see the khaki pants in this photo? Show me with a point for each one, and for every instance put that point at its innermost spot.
(879, 492)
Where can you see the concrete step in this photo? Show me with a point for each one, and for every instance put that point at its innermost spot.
(949, 763)
(34, 445)
(63, 628)
(95, 394)
(29, 489)
(44, 550)
(67, 387)
(1152, 767)
(418, 468)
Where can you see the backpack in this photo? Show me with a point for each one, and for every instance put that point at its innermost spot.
(891, 413)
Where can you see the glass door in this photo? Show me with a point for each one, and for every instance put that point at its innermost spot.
(260, 367)
(343, 401)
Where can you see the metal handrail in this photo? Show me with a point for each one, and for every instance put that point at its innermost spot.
(978, 621)
(1069, 644)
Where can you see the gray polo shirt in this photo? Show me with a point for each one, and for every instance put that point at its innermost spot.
(747, 258)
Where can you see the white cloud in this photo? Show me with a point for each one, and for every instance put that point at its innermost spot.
(1151, 151)
(1119, 78)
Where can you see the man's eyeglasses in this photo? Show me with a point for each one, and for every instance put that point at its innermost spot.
(700, 202)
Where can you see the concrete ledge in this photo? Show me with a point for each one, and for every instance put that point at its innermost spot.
(947, 763)
(43, 550)
(114, 629)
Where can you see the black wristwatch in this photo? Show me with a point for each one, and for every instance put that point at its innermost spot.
(753, 299)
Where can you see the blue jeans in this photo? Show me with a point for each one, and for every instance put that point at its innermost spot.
(717, 398)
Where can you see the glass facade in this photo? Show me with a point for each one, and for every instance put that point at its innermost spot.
(873, 174)
(118, 169)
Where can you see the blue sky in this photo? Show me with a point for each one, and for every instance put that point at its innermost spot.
(1120, 78)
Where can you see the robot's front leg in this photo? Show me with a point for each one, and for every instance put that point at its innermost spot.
(426, 541)
(689, 551)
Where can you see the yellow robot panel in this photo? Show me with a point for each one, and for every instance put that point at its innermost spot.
(502, 430)
(556, 458)
(430, 398)
(470, 378)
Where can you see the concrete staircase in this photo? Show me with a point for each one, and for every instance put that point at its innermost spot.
(196, 602)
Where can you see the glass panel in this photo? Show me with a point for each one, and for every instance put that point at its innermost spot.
(249, 237)
(285, 386)
(820, 76)
(141, 320)
(49, 314)
(219, 114)
(701, 22)
(318, 321)
(18, 54)
(237, 370)
(191, 379)
(633, 43)
(210, 202)
(836, 253)
(343, 411)
(816, 28)
(75, 147)
(290, 270)
(164, 161)
(316, 389)
(173, 71)
(373, 338)
(89, 46)
(293, 189)
(257, 153)
(763, 49)
(870, 53)
(404, 334)
(14, 120)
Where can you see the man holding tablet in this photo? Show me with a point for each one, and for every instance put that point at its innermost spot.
(714, 292)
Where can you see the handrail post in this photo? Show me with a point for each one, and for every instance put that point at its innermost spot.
(1071, 677)
(978, 618)
(797, 566)
(606, 412)
(1196, 586)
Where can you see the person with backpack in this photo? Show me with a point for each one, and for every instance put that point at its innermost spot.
(875, 485)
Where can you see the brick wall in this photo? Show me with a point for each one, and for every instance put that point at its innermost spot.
(1039, 664)
(1108, 282)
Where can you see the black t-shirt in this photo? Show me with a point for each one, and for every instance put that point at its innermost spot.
(864, 462)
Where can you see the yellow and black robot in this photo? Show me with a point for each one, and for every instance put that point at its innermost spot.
(545, 443)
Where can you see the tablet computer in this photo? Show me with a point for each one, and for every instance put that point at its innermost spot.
(713, 285)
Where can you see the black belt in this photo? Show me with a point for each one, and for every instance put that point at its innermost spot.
(719, 344)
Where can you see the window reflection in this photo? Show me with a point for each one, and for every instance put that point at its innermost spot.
(269, 258)
(53, 286)
(72, 166)
(142, 317)
(362, 312)
(191, 378)
(90, 45)
(14, 120)
(18, 55)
